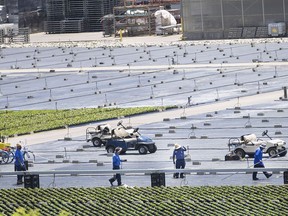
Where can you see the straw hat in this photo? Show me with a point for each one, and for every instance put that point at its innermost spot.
(118, 149)
(177, 146)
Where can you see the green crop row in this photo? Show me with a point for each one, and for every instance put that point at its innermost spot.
(27, 121)
(224, 200)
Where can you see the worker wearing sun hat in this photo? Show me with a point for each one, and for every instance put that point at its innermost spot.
(19, 163)
(258, 163)
(178, 154)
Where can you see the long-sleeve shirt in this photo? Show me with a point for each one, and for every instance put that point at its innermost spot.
(258, 157)
(116, 161)
(179, 153)
(19, 160)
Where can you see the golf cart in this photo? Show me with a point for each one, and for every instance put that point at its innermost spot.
(99, 135)
(126, 138)
(247, 145)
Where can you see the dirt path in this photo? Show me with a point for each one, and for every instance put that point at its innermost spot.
(152, 118)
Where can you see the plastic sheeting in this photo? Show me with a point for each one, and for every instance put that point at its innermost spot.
(164, 18)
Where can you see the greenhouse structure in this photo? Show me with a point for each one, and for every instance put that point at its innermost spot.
(218, 19)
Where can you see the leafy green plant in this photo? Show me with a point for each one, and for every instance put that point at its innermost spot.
(23, 212)
(224, 200)
(31, 121)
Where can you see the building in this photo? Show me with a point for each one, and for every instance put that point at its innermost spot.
(218, 19)
(9, 20)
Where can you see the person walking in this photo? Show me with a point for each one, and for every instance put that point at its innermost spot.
(19, 163)
(178, 154)
(116, 165)
(258, 163)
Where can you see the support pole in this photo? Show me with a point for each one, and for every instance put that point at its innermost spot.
(285, 92)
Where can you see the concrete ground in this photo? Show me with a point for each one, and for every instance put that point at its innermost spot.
(98, 37)
(51, 149)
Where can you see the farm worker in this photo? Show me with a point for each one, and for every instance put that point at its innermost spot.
(258, 163)
(19, 163)
(178, 153)
(116, 165)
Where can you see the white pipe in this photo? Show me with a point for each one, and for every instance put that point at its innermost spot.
(143, 171)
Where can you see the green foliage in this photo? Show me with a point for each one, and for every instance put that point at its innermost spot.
(27, 121)
(224, 200)
(23, 212)
(64, 213)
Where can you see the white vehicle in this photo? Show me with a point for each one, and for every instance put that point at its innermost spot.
(247, 145)
(103, 132)
(126, 138)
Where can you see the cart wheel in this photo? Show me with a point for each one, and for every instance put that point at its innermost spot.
(153, 149)
(110, 149)
(11, 157)
(5, 157)
(283, 152)
(143, 149)
(240, 153)
(272, 152)
(97, 142)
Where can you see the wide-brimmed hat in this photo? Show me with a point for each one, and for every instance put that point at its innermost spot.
(177, 146)
(263, 145)
(118, 149)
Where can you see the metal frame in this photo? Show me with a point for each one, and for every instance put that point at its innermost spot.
(143, 171)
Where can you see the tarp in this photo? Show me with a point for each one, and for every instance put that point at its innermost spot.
(164, 18)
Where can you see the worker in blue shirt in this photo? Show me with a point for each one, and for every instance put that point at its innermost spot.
(178, 154)
(19, 163)
(258, 163)
(116, 165)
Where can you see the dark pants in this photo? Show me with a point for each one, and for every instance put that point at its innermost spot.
(259, 166)
(117, 177)
(180, 164)
(19, 168)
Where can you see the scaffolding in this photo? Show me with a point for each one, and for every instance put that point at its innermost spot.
(10, 34)
(70, 16)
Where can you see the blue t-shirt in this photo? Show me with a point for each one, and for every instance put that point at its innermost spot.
(116, 161)
(19, 160)
(258, 157)
(179, 153)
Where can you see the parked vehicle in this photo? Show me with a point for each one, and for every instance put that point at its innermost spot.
(99, 135)
(126, 138)
(247, 145)
(5, 152)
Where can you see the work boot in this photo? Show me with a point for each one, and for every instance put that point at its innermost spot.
(111, 182)
(19, 182)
